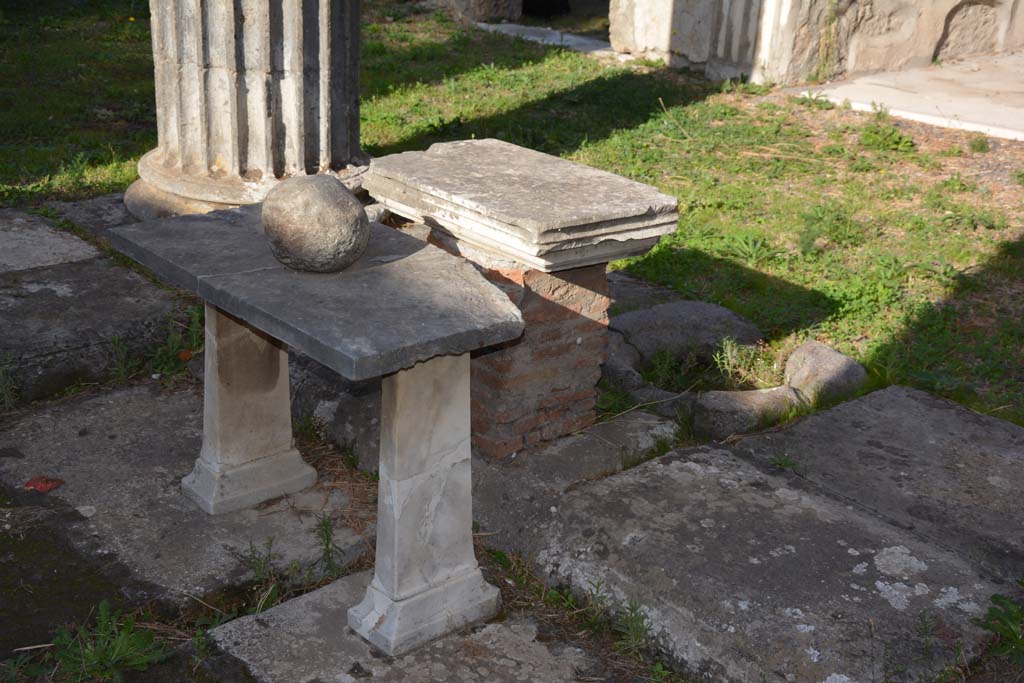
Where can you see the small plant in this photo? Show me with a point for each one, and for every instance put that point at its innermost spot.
(309, 428)
(744, 366)
(753, 249)
(979, 144)
(1005, 620)
(595, 609)
(815, 101)
(331, 560)
(107, 650)
(955, 183)
(885, 137)
(1018, 176)
(829, 220)
(200, 640)
(182, 343)
(632, 630)
(123, 366)
(785, 463)
(8, 385)
(612, 401)
(743, 87)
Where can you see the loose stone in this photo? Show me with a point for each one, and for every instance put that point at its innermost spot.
(314, 223)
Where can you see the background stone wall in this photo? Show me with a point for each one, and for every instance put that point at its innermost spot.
(821, 39)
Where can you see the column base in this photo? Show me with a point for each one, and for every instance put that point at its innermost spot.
(147, 202)
(397, 627)
(236, 488)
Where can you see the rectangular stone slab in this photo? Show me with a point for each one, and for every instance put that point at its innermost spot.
(924, 463)
(547, 212)
(522, 187)
(401, 303)
(389, 191)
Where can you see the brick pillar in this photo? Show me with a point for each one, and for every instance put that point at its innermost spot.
(543, 385)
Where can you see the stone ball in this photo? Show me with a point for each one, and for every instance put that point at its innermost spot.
(315, 223)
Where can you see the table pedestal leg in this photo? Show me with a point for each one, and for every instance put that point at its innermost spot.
(247, 455)
(427, 581)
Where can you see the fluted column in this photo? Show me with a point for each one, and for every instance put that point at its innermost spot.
(249, 92)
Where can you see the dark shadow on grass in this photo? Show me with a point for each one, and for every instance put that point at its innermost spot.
(968, 347)
(562, 122)
(776, 306)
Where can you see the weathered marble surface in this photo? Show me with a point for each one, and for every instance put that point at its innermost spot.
(28, 241)
(246, 94)
(402, 302)
(745, 576)
(541, 210)
(426, 579)
(247, 455)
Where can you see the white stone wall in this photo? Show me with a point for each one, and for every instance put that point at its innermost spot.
(791, 41)
(806, 39)
(717, 36)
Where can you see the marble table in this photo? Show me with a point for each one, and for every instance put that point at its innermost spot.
(406, 311)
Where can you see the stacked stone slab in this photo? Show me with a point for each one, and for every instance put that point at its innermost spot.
(248, 93)
(542, 229)
(544, 212)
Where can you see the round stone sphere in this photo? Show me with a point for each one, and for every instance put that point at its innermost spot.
(315, 223)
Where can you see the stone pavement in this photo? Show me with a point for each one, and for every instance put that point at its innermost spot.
(64, 306)
(302, 641)
(122, 455)
(982, 94)
(865, 564)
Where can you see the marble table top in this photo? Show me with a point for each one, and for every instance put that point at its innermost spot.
(403, 302)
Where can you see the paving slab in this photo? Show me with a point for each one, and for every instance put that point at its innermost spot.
(28, 241)
(746, 578)
(982, 94)
(548, 36)
(58, 324)
(306, 640)
(97, 215)
(923, 463)
(514, 496)
(401, 303)
(122, 456)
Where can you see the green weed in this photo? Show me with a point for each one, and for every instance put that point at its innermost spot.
(815, 101)
(746, 366)
(183, 342)
(331, 560)
(786, 463)
(1018, 176)
(754, 250)
(979, 144)
(832, 221)
(123, 365)
(632, 631)
(612, 402)
(107, 650)
(885, 137)
(1005, 620)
